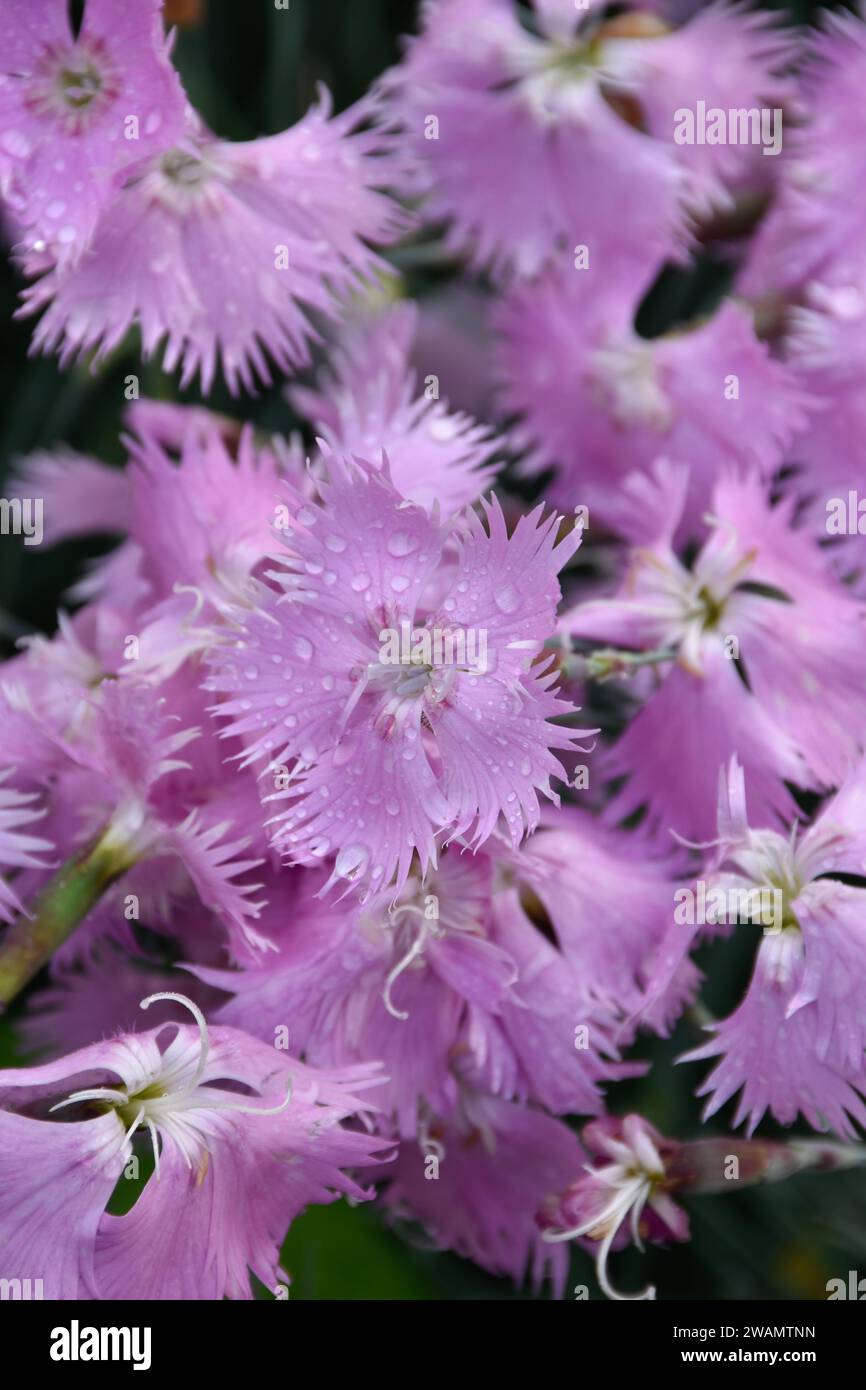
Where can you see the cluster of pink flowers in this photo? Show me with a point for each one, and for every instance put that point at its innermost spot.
(304, 759)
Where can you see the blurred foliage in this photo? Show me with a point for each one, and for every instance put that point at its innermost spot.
(251, 70)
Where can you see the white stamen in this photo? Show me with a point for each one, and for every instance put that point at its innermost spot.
(157, 1110)
(97, 1093)
(415, 950)
(630, 1197)
(202, 1028)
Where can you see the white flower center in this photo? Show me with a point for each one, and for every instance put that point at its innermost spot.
(171, 1101)
(684, 605)
(770, 861)
(186, 177)
(73, 84)
(625, 377)
(633, 1178)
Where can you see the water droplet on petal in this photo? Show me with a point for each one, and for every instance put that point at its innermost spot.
(15, 143)
(352, 861)
(507, 599)
(401, 543)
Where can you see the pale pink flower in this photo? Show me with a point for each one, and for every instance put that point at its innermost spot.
(79, 112)
(221, 249)
(378, 749)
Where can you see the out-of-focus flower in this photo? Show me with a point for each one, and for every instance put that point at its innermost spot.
(196, 504)
(813, 230)
(796, 1041)
(745, 636)
(451, 981)
(81, 496)
(18, 848)
(368, 404)
(825, 345)
(116, 800)
(496, 1164)
(597, 401)
(78, 113)
(571, 864)
(572, 118)
(221, 249)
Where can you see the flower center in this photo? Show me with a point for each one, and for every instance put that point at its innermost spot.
(173, 1104)
(407, 679)
(183, 177)
(137, 1103)
(626, 380)
(184, 169)
(771, 861)
(73, 84)
(570, 61)
(79, 86)
(713, 608)
(415, 663)
(616, 1193)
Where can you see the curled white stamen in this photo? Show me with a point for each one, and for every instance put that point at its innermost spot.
(198, 604)
(178, 1096)
(202, 1028)
(415, 950)
(407, 907)
(97, 1093)
(628, 1199)
(427, 1143)
(698, 844)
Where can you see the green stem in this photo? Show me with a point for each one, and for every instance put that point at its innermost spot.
(63, 903)
(609, 662)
